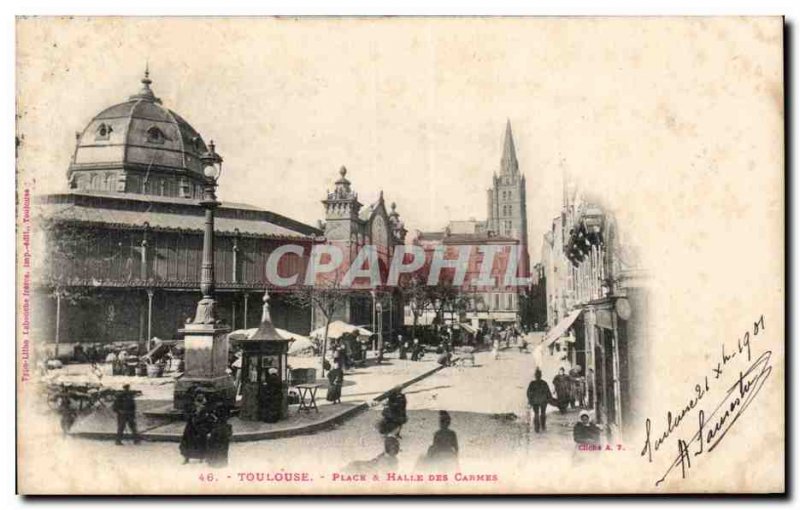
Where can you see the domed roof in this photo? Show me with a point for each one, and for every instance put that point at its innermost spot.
(139, 133)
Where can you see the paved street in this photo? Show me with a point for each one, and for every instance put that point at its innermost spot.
(486, 402)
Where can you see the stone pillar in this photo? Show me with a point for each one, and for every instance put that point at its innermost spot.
(246, 296)
(149, 318)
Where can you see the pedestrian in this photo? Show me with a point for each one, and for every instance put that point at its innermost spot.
(403, 346)
(538, 397)
(194, 442)
(393, 416)
(335, 381)
(383, 463)
(586, 432)
(341, 354)
(561, 384)
(219, 437)
(496, 348)
(578, 386)
(417, 351)
(272, 403)
(442, 455)
(125, 407)
(590, 388)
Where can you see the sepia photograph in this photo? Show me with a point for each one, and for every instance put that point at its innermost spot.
(400, 255)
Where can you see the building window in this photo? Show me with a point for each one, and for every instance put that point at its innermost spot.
(95, 182)
(109, 184)
(155, 135)
(133, 184)
(103, 132)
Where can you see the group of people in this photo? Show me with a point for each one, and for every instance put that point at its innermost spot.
(207, 433)
(441, 455)
(567, 393)
(349, 351)
(414, 349)
(571, 389)
(503, 338)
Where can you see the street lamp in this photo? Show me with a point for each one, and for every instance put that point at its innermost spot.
(212, 170)
(379, 308)
(205, 337)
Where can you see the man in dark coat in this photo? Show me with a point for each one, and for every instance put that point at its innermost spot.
(538, 397)
(563, 387)
(125, 407)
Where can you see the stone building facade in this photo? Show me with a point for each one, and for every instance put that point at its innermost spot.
(597, 301)
(352, 226)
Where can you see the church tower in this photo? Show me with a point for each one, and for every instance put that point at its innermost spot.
(507, 205)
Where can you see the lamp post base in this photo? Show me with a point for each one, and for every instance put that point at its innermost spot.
(206, 364)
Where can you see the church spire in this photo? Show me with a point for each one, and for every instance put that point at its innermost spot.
(509, 164)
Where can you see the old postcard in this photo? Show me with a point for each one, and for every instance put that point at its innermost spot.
(400, 255)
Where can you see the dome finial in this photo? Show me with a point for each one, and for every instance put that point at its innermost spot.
(343, 171)
(146, 80)
(146, 93)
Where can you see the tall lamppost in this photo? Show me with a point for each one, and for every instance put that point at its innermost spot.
(212, 169)
(205, 337)
(379, 310)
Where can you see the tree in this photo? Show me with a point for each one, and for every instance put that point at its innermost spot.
(418, 296)
(326, 297)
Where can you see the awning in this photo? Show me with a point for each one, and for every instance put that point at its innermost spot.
(338, 328)
(561, 328)
(468, 328)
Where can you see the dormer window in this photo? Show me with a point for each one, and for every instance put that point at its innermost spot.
(155, 135)
(103, 132)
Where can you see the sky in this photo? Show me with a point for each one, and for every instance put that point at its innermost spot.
(414, 107)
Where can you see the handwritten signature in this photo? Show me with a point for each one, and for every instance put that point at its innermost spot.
(712, 428)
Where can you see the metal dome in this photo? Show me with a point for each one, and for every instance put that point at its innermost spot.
(140, 134)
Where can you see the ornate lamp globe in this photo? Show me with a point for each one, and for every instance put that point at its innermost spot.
(212, 163)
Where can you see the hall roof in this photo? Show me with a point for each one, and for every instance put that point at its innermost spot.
(128, 210)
